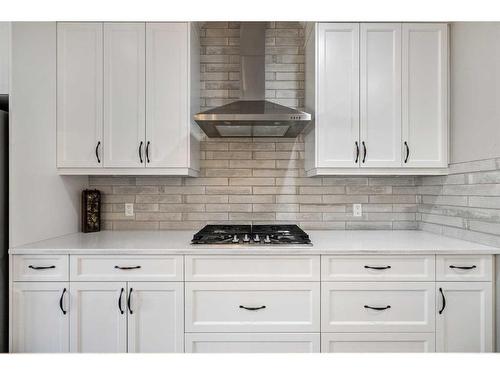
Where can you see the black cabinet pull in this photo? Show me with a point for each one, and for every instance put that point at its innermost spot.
(127, 267)
(97, 151)
(463, 267)
(129, 301)
(357, 152)
(147, 152)
(41, 267)
(120, 301)
(140, 151)
(364, 151)
(407, 152)
(443, 299)
(61, 302)
(252, 308)
(378, 267)
(377, 308)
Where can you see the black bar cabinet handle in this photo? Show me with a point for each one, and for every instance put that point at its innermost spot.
(364, 151)
(407, 152)
(252, 308)
(378, 267)
(377, 308)
(147, 152)
(357, 152)
(464, 267)
(140, 151)
(61, 302)
(443, 299)
(97, 152)
(41, 267)
(129, 301)
(120, 301)
(127, 267)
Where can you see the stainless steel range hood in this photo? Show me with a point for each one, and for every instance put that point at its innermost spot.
(252, 116)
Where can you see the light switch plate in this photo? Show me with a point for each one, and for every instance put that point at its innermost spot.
(129, 209)
(357, 210)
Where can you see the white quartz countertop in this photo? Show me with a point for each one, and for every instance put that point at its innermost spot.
(324, 242)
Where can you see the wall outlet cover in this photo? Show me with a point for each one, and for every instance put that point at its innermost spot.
(357, 210)
(129, 209)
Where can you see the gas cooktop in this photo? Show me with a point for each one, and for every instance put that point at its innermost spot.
(274, 234)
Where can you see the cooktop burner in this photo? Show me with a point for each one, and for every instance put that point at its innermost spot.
(247, 234)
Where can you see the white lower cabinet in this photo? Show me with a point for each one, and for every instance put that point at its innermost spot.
(464, 322)
(377, 342)
(252, 342)
(98, 317)
(155, 317)
(40, 323)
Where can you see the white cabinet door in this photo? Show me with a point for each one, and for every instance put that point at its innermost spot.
(167, 83)
(40, 323)
(124, 94)
(4, 57)
(380, 94)
(79, 95)
(156, 317)
(337, 117)
(425, 95)
(98, 320)
(377, 342)
(464, 320)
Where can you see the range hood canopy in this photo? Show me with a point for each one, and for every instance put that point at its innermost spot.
(252, 116)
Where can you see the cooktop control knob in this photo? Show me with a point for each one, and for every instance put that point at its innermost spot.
(246, 238)
(267, 239)
(236, 239)
(256, 238)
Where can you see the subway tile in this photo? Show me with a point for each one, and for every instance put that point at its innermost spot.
(392, 199)
(392, 181)
(485, 202)
(229, 155)
(182, 207)
(157, 216)
(369, 189)
(199, 216)
(207, 181)
(253, 181)
(276, 173)
(252, 199)
(228, 172)
(264, 164)
(274, 190)
(343, 198)
(182, 190)
(449, 200)
(206, 198)
(158, 199)
(218, 190)
(322, 225)
(311, 199)
(252, 216)
(322, 208)
(492, 177)
(117, 190)
(304, 181)
(273, 155)
(364, 225)
(345, 181)
(166, 181)
(299, 216)
(252, 146)
(322, 190)
(279, 207)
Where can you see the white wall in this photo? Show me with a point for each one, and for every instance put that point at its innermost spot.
(42, 204)
(475, 91)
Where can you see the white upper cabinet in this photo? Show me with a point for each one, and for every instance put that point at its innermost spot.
(378, 92)
(124, 94)
(79, 95)
(380, 95)
(337, 115)
(4, 57)
(425, 94)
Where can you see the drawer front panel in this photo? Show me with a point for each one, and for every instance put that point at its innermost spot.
(252, 343)
(464, 267)
(252, 268)
(377, 268)
(252, 307)
(126, 268)
(364, 307)
(377, 343)
(40, 268)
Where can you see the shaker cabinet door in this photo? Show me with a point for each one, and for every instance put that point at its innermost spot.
(98, 317)
(425, 95)
(380, 94)
(40, 323)
(464, 317)
(79, 95)
(124, 95)
(337, 120)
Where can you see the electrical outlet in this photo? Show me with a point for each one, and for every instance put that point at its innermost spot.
(129, 209)
(357, 209)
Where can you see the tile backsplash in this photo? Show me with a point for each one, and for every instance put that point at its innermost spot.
(259, 180)
(465, 204)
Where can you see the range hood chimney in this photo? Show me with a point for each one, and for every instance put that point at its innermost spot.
(252, 115)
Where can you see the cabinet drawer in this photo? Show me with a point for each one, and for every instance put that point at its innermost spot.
(377, 268)
(126, 268)
(377, 342)
(252, 307)
(252, 343)
(252, 268)
(464, 267)
(40, 267)
(364, 307)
